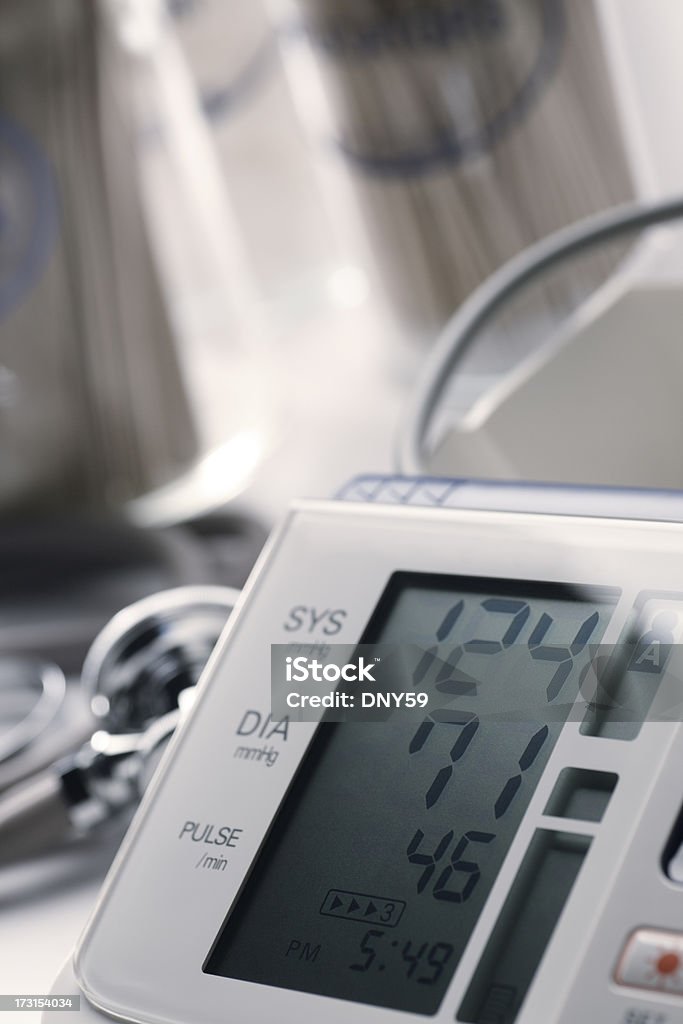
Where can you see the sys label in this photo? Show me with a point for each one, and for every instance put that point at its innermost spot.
(305, 619)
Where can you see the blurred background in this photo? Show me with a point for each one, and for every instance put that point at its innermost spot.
(230, 234)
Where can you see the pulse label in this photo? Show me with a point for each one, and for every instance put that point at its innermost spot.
(210, 834)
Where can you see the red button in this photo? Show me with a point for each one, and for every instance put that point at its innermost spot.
(652, 959)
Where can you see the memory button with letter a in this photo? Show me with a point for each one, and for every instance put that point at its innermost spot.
(652, 959)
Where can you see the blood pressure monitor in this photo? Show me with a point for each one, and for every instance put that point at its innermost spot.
(467, 862)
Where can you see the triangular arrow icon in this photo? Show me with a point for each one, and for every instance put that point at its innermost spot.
(371, 909)
(353, 906)
(336, 902)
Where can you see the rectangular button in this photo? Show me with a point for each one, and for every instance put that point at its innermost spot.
(652, 959)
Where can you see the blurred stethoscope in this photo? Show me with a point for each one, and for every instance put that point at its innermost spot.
(138, 679)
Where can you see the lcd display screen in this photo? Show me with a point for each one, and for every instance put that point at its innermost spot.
(391, 837)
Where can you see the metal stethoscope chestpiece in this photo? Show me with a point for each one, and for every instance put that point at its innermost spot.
(138, 677)
(151, 652)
